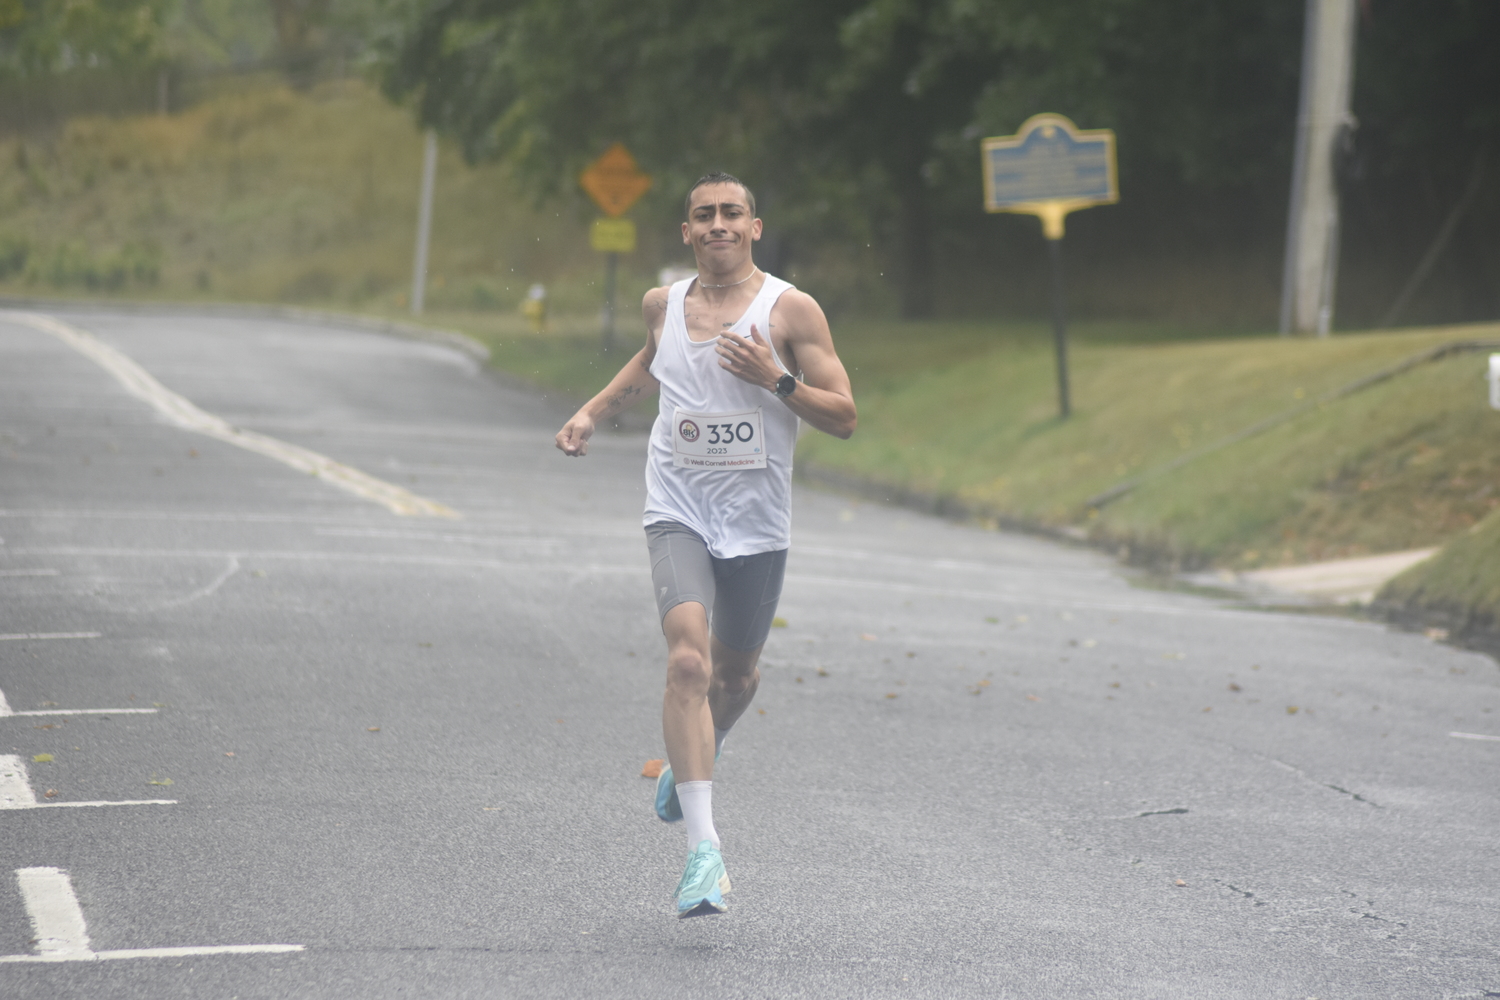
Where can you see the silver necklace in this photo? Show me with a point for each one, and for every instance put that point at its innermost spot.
(753, 272)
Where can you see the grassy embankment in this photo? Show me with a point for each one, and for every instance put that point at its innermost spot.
(267, 195)
(968, 412)
(264, 194)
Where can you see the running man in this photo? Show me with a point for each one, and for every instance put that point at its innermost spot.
(724, 349)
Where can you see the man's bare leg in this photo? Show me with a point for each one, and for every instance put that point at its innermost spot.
(686, 722)
(708, 685)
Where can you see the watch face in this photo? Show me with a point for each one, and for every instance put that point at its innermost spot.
(785, 385)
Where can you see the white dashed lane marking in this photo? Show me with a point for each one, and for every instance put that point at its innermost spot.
(62, 936)
(16, 792)
(50, 635)
(27, 572)
(6, 710)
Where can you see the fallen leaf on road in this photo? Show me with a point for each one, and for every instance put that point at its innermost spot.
(42, 758)
(652, 768)
(867, 637)
(1032, 697)
(47, 726)
(778, 622)
(50, 793)
(892, 694)
(1090, 643)
(992, 619)
(1174, 656)
(761, 711)
(229, 753)
(1292, 710)
(799, 680)
(822, 672)
(1022, 618)
(163, 781)
(1179, 882)
(1115, 684)
(1436, 634)
(1210, 708)
(373, 729)
(1235, 687)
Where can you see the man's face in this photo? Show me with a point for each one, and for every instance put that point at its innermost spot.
(719, 227)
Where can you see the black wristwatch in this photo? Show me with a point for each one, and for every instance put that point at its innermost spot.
(785, 386)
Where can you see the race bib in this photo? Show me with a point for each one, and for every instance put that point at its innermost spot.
(731, 441)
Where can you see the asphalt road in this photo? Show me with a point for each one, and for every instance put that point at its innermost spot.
(980, 765)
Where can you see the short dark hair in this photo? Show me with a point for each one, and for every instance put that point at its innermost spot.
(717, 177)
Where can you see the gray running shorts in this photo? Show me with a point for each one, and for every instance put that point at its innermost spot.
(741, 592)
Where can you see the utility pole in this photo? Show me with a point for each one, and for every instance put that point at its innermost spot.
(424, 224)
(1310, 267)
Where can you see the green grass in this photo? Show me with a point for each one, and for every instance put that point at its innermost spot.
(1460, 585)
(269, 195)
(968, 411)
(1400, 465)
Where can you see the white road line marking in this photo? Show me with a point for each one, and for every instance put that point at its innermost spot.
(62, 935)
(181, 412)
(1474, 736)
(51, 635)
(15, 790)
(7, 711)
(379, 559)
(81, 711)
(201, 592)
(27, 572)
(16, 793)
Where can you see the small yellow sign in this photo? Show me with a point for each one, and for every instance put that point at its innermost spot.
(614, 181)
(612, 235)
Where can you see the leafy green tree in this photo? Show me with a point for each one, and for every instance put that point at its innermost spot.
(38, 37)
(861, 117)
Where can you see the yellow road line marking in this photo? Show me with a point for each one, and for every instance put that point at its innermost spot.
(179, 411)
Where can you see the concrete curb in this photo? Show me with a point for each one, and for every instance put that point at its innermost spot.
(410, 331)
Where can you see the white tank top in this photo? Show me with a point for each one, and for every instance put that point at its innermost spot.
(738, 512)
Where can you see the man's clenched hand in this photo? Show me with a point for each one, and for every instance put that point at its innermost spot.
(573, 439)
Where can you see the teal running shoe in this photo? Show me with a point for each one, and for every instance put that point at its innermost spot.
(704, 883)
(668, 809)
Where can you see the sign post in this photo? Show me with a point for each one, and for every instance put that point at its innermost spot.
(1048, 169)
(615, 183)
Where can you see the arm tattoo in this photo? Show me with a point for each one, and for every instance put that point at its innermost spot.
(620, 398)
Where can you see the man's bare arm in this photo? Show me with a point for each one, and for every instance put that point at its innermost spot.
(632, 383)
(825, 398)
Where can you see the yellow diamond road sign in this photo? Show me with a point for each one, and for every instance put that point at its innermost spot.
(614, 181)
(612, 235)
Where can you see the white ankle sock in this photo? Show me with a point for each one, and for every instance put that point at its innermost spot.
(719, 735)
(698, 812)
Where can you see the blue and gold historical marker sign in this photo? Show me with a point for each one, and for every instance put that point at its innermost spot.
(1048, 169)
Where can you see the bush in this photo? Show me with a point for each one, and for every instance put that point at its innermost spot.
(14, 250)
(73, 265)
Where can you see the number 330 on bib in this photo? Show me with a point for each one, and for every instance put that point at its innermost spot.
(729, 441)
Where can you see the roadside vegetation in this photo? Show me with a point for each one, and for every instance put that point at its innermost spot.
(965, 414)
(263, 193)
(268, 194)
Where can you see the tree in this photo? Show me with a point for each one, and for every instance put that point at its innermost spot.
(864, 115)
(39, 37)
